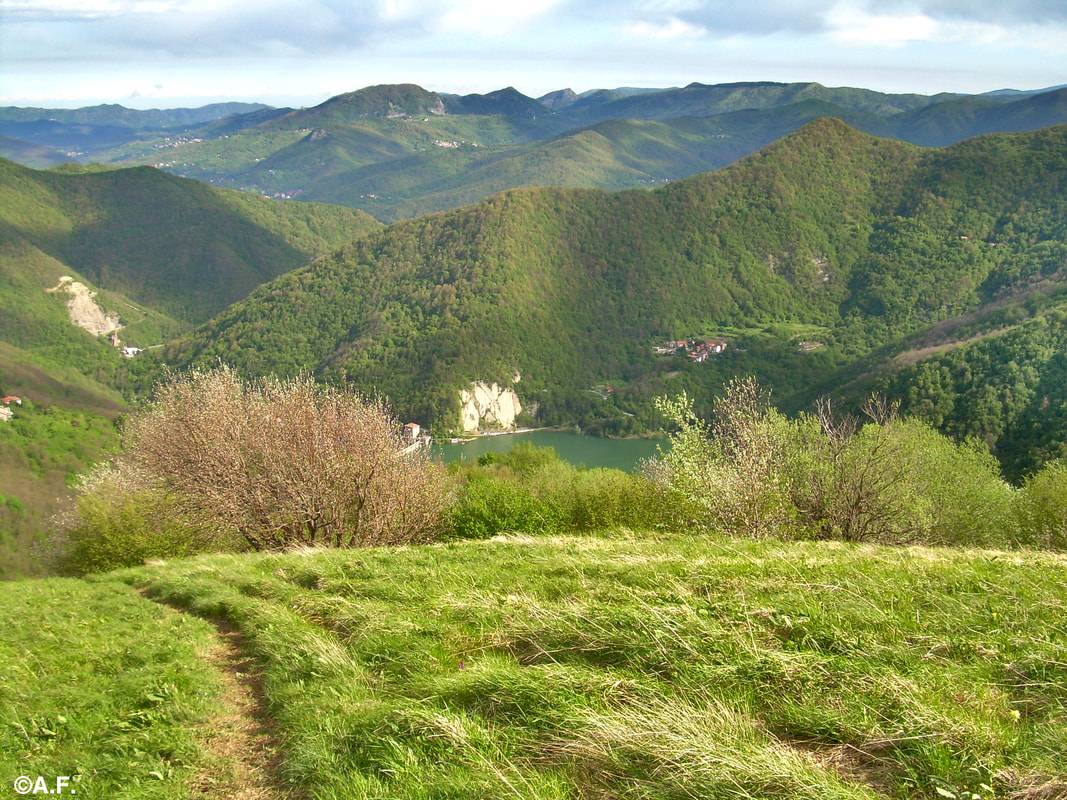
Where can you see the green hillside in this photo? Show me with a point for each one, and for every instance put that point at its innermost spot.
(160, 253)
(828, 235)
(638, 666)
(176, 246)
(861, 237)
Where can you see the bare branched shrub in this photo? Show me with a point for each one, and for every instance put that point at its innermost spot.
(733, 468)
(860, 490)
(285, 462)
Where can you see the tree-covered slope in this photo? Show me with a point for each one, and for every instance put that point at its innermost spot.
(561, 286)
(174, 245)
(944, 123)
(866, 238)
(612, 154)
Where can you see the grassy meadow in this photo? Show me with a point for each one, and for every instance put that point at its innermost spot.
(103, 687)
(612, 666)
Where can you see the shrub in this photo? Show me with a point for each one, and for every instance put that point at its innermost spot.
(735, 469)
(283, 463)
(757, 473)
(488, 504)
(116, 521)
(1041, 508)
(530, 490)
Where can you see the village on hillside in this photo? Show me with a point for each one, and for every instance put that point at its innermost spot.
(699, 351)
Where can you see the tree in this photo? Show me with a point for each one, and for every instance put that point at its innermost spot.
(284, 462)
(734, 468)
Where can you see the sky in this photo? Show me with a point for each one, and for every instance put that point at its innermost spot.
(184, 53)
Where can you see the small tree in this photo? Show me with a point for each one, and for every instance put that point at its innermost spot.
(734, 468)
(284, 462)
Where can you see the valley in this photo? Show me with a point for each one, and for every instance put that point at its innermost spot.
(829, 324)
(829, 262)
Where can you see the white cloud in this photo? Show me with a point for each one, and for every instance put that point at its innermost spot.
(672, 28)
(492, 17)
(82, 9)
(849, 24)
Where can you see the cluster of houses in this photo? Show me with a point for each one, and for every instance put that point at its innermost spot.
(5, 410)
(692, 348)
(129, 352)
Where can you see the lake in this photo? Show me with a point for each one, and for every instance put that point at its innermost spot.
(574, 448)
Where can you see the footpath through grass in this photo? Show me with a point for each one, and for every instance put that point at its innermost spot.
(649, 667)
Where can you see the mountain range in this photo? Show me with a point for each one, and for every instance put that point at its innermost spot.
(830, 261)
(400, 151)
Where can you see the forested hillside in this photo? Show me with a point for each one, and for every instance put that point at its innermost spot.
(830, 237)
(159, 253)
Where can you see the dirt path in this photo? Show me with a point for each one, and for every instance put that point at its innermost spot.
(243, 748)
(243, 753)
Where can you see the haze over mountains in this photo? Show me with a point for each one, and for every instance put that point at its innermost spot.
(401, 151)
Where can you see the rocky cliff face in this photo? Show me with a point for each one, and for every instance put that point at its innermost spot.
(85, 312)
(488, 406)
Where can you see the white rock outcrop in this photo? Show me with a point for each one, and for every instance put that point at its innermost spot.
(85, 312)
(488, 405)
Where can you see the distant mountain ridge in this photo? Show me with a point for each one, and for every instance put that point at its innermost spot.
(398, 151)
(116, 115)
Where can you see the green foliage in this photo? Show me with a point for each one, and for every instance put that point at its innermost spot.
(1042, 507)
(757, 473)
(163, 253)
(116, 522)
(486, 506)
(529, 490)
(41, 449)
(176, 246)
(1006, 389)
(555, 284)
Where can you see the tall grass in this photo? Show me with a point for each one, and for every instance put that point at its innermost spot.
(652, 667)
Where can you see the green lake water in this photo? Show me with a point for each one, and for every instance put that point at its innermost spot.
(574, 448)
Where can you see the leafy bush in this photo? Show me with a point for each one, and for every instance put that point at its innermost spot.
(1041, 506)
(530, 490)
(487, 505)
(118, 521)
(757, 473)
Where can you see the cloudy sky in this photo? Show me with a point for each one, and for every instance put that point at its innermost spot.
(167, 53)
